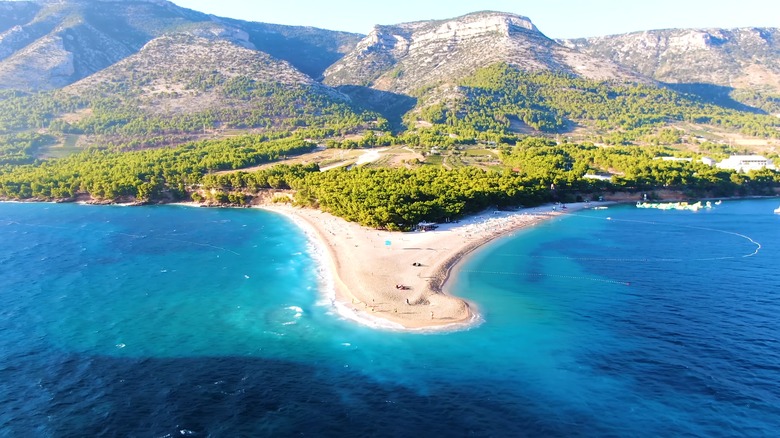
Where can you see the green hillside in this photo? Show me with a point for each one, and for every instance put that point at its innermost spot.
(493, 97)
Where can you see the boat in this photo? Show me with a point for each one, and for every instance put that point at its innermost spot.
(674, 205)
(777, 210)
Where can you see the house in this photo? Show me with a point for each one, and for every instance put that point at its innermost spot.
(746, 163)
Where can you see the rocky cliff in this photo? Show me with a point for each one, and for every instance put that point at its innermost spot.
(407, 57)
(738, 58)
(186, 73)
(50, 44)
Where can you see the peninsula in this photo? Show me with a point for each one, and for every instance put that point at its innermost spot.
(396, 280)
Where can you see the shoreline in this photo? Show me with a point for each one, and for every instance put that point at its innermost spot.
(368, 296)
(397, 280)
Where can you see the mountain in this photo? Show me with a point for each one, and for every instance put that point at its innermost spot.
(185, 85)
(16, 14)
(143, 73)
(50, 44)
(309, 49)
(190, 73)
(734, 58)
(142, 99)
(407, 57)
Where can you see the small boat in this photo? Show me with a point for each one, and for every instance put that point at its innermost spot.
(777, 210)
(674, 205)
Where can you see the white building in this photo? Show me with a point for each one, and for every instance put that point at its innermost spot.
(690, 160)
(598, 177)
(746, 163)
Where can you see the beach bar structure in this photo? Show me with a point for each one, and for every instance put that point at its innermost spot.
(426, 226)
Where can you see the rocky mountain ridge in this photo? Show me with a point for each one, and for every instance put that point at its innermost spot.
(214, 59)
(738, 58)
(410, 56)
(51, 44)
(153, 59)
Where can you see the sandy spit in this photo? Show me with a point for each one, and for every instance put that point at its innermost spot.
(395, 280)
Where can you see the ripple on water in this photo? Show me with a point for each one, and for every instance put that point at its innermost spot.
(689, 348)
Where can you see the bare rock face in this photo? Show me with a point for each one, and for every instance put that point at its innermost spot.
(168, 55)
(411, 56)
(47, 44)
(43, 64)
(11, 40)
(739, 58)
(161, 77)
(16, 14)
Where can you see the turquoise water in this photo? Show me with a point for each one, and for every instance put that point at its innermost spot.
(174, 321)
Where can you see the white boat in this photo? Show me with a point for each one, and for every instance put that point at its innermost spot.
(674, 205)
(777, 210)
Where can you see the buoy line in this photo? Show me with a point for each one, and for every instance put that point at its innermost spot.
(655, 260)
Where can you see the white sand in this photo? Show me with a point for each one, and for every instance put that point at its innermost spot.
(363, 266)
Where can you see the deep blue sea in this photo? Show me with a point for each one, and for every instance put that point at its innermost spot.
(171, 321)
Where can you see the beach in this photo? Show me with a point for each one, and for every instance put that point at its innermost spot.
(396, 280)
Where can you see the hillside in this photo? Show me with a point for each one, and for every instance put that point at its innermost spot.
(47, 45)
(186, 83)
(183, 73)
(16, 14)
(146, 73)
(712, 62)
(412, 56)
(309, 49)
(144, 101)
(740, 58)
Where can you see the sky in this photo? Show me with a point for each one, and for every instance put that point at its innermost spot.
(555, 18)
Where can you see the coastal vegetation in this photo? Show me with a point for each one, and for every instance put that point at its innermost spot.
(528, 170)
(148, 175)
(497, 97)
(536, 171)
(113, 118)
(199, 116)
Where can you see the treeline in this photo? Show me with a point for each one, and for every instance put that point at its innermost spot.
(496, 97)
(634, 168)
(21, 148)
(124, 114)
(536, 171)
(764, 100)
(149, 175)
(391, 198)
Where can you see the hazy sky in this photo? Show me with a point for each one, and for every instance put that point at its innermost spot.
(556, 18)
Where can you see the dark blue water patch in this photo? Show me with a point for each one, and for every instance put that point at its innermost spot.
(692, 330)
(71, 395)
(219, 334)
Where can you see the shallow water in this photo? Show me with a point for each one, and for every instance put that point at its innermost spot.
(173, 321)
